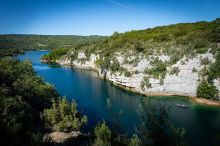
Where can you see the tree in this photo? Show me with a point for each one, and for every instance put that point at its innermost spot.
(155, 128)
(102, 134)
(207, 90)
(23, 95)
(135, 141)
(63, 116)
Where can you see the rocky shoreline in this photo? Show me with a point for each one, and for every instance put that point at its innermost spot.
(192, 98)
(184, 83)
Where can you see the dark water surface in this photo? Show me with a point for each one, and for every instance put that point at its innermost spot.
(202, 123)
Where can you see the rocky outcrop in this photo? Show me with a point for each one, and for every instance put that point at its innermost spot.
(185, 83)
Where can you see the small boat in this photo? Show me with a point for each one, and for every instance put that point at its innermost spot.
(182, 105)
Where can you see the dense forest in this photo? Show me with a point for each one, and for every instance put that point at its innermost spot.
(176, 39)
(14, 44)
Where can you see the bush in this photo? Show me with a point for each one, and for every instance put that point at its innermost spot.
(194, 70)
(55, 54)
(23, 96)
(174, 70)
(207, 90)
(63, 116)
(102, 134)
(205, 61)
(114, 66)
(157, 70)
(145, 82)
(127, 74)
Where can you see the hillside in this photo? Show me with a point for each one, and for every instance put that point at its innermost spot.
(17, 43)
(180, 59)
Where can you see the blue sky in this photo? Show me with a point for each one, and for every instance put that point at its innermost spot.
(99, 17)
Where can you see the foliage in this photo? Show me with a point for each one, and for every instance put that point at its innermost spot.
(174, 70)
(55, 54)
(158, 69)
(127, 73)
(173, 40)
(23, 96)
(214, 71)
(63, 116)
(102, 134)
(207, 90)
(33, 42)
(146, 82)
(205, 61)
(10, 52)
(194, 70)
(114, 66)
(156, 129)
(135, 141)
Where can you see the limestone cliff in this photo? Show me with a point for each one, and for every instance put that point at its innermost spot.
(184, 82)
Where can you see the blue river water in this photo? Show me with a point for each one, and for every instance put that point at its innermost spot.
(202, 123)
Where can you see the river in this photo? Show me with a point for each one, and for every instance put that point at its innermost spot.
(202, 123)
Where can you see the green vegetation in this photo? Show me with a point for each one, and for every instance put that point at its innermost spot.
(194, 70)
(102, 134)
(55, 55)
(63, 116)
(214, 70)
(158, 70)
(173, 40)
(114, 66)
(146, 83)
(205, 61)
(174, 70)
(27, 42)
(16, 44)
(155, 129)
(207, 90)
(23, 96)
(10, 52)
(29, 107)
(127, 73)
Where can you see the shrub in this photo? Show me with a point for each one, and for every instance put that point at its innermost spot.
(174, 70)
(63, 116)
(207, 90)
(157, 70)
(102, 134)
(146, 82)
(205, 61)
(194, 70)
(136, 72)
(114, 66)
(127, 74)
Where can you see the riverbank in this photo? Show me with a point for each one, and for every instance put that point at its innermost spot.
(195, 99)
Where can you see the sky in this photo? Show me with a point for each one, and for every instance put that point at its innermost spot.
(99, 17)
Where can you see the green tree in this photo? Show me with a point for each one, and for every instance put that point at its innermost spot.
(23, 95)
(102, 135)
(63, 116)
(207, 90)
(135, 141)
(155, 128)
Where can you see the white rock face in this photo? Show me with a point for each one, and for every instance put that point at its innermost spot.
(81, 55)
(185, 83)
